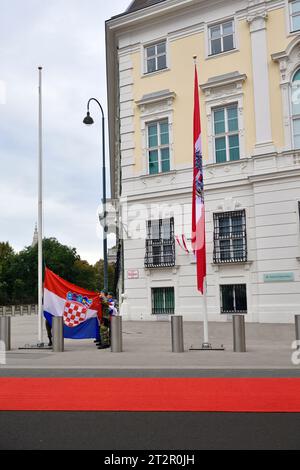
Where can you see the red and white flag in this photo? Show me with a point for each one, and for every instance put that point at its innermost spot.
(198, 208)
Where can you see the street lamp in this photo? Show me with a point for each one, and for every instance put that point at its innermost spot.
(88, 120)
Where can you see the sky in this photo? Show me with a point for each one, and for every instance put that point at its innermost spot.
(66, 38)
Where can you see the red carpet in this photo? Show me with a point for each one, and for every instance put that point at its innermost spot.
(215, 395)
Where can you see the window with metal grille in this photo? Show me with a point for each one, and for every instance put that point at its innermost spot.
(294, 6)
(234, 298)
(163, 301)
(160, 243)
(158, 147)
(156, 57)
(221, 37)
(230, 237)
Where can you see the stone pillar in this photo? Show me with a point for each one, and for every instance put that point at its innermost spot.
(257, 22)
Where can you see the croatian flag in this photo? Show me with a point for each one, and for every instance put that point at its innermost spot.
(79, 308)
(198, 209)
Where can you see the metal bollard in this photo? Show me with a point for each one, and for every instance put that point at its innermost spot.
(58, 334)
(239, 335)
(116, 334)
(5, 332)
(297, 327)
(177, 334)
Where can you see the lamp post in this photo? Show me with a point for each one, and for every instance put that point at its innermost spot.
(88, 120)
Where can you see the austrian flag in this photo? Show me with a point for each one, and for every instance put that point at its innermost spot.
(198, 208)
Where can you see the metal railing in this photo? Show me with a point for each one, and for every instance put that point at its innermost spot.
(160, 254)
(230, 237)
(14, 310)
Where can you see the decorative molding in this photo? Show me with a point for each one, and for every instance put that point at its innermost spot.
(288, 62)
(162, 97)
(223, 82)
(229, 205)
(257, 21)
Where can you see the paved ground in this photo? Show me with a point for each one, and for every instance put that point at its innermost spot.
(147, 346)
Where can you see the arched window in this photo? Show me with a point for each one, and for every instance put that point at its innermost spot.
(295, 96)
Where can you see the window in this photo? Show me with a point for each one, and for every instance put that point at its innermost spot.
(295, 96)
(226, 134)
(160, 243)
(234, 298)
(230, 238)
(163, 301)
(158, 147)
(294, 6)
(156, 57)
(221, 37)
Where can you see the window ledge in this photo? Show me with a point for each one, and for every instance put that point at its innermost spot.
(148, 271)
(246, 264)
(150, 74)
(221, 54)
(293, 34)
(227, 163)
(159, 175)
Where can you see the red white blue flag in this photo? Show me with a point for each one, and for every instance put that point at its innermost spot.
(79, 307)
(198, 208)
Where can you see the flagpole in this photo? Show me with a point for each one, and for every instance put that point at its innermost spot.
(40, 217)
(198, 214)
(206, 343)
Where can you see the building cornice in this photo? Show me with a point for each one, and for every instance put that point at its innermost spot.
(223, 80)
(156, 97)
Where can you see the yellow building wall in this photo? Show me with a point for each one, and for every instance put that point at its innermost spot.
(180, 79)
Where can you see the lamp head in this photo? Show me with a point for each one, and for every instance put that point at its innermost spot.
(88, 120)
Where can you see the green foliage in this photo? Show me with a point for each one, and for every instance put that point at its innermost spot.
(19, 271)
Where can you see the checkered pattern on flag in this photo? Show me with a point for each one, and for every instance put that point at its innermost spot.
(74, 314)
(198, 208)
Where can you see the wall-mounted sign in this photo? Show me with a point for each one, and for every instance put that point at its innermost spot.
(279, 277)
(133, 274)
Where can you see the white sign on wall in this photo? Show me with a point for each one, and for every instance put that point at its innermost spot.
(133, 274)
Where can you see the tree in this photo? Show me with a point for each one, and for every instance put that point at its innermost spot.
(7, 255)
(19, 272)
(99, 267)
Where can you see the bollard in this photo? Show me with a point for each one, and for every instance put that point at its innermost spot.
(239, 336)
(5, 332)
(297, 326)
(177, 334)
(116, 334)
(58, 334)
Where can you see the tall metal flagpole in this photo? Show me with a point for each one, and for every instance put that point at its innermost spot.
(40, 215)
(206, 343)
(199, 217)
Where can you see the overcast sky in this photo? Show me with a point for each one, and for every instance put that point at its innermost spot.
(67, 38)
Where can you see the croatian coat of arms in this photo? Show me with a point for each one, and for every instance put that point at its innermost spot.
(76, 309)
